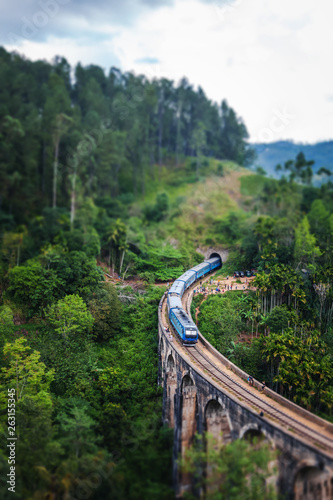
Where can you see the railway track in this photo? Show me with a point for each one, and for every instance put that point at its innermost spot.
(259, 404)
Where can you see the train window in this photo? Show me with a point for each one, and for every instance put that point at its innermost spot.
(191, 333)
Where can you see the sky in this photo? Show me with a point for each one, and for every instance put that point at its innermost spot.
(270, 59)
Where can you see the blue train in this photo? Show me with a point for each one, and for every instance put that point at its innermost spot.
(183, 325)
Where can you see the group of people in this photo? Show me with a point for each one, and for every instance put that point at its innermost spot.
(225, 288)
(220, 288)
(168, 332)
(250, 382)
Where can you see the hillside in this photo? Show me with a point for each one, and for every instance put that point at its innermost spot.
(96, 181)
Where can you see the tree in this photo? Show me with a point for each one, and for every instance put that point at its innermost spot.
(116, 239)
(319, 221)
(57, 120)
(29, 377)
(6, 325)
(12, 244)
(300, 367)
(32, 288)
(300, 169)
(198, 144)
(106, 309)
(25, 373)
(79, 274)
(279, 319)
(76, 428)
(70, 317)
(306, 252)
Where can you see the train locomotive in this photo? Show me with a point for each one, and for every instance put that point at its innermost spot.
(179, 319)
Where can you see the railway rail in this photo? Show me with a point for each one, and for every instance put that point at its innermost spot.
(276, 413)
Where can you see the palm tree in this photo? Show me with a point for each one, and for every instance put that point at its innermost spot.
(116, 240)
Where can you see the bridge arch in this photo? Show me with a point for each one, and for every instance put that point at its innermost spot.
(187, 381)
(311, 481)
(170, 364)
(217, 422)
(252, 430)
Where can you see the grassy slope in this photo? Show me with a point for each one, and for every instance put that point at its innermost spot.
(195, 206)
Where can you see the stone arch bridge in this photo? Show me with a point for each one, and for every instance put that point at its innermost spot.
(204, 391)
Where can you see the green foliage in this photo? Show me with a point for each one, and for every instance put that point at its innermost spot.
(220, 170)
(261, 171)
(32, 287)
(252, 185)
(6, 325)
(157, 212)
(79, 274)
(162, 264)
(220, 319)
(236, 470)
(70, 318)
(306, 251)
(231, 227)
(106, 309)
(302, 368)
(25, 373)
(279, 319)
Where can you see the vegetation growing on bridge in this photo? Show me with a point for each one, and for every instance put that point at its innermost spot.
(239, 469)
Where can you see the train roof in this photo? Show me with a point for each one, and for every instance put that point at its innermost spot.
(200, 266)
(175, 301)
(183, 318)
(177, 287)
(213, 259)
(188, 274)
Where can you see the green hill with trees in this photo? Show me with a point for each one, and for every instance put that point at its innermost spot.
(118, 175)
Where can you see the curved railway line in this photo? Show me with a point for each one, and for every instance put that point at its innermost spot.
(318, 434)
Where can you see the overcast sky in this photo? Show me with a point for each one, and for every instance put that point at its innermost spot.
(271, 59)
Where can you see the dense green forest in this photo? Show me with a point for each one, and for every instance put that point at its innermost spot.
(121, 175)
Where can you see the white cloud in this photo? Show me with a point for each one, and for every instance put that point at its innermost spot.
(261, 55)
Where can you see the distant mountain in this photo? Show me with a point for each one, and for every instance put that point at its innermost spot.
(270, 155)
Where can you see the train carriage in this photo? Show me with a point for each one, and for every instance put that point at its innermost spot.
(201, 269)
(214, 263)
(185, 328)
(189, 277)
(177, 288)
(174, 302)
(181, 322)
